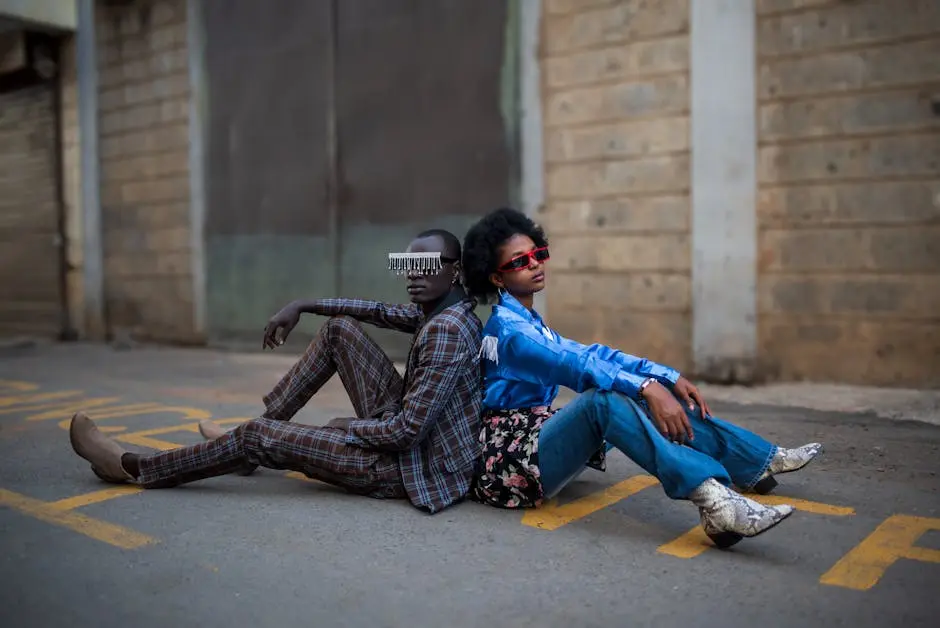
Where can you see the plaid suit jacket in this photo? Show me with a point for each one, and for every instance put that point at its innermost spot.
(435, 431)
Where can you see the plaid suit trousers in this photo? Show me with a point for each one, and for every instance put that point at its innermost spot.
(374, 387)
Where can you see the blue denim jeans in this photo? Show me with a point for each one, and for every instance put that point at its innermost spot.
(720, 450)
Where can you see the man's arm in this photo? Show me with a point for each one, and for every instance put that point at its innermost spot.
(406, 318)
(442, 360)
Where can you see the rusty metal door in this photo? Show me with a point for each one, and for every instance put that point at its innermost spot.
(422, 140)
(268, 68)
(31, 272)
(337, 131)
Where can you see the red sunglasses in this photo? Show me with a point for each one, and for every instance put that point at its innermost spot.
(521, 262)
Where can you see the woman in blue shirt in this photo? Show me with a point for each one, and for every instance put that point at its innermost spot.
(531, 451)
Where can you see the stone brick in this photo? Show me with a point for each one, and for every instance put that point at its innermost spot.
(624, 139)
(642, 213)
(145, 265)
(641, 292)
(867, 351)
(622, 22)
(907, 64)
(155, 190)
(652, 252)
(110, 99)
(916, 296)
(169, 240)
(167, 12)
(159, 89)
(144, 218)
(167, 38)
(152, 139)
(624, 61)
(779, 6)
(886, 202)
(650, 174)
(832, 160)
(847, 24)
(849, 115)
(900, 249)
(667, 95)
(148, 166)
(558, 7)
(159, 308)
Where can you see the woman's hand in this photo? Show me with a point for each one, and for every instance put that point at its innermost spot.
(668, 413)
(689, 393)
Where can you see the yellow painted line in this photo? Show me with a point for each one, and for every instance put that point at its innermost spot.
(103, 531)
(866, 563)
(71, 503)
(552, 515)
(67, 408)
(805, 505)
(9, 384)
(11, 404)
(104, 413)
(144, 438)
(695, 541)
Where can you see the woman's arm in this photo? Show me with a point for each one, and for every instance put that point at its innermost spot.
(527, 355)
(630, 363)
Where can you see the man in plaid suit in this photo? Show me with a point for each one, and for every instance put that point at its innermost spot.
(414, 436)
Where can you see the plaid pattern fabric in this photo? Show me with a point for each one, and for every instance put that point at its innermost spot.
(318, 452)
(424, 445)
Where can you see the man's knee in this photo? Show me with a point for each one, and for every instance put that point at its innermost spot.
(340, 328)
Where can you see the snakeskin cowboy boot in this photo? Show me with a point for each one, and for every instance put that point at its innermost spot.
(786, 461)
(728, 517)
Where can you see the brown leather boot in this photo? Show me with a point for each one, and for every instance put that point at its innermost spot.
(102, 452)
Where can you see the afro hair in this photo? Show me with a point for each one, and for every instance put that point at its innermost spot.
(481, 247)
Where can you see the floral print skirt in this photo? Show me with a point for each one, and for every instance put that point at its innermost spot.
(510, 476)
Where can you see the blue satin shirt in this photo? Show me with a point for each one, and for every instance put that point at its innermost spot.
(525, 362)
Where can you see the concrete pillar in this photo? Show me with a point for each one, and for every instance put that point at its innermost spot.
(724, 153)
(195, 33)
(92, 254)
(532, 173)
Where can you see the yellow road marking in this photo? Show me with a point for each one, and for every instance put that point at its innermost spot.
(9, 384)
(143, 437)
(695, 541)
(118, 412)
(552, 516)
(866, 563)
(103, 531)
(8, 403)
(71, 503)
(66, 408)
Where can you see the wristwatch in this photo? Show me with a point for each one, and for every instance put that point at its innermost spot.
(646, 382)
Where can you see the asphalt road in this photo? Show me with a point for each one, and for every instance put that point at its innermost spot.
(863, 549)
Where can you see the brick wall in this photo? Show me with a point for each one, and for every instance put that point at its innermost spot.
(615, 80)
(144, 144)
(849, 190)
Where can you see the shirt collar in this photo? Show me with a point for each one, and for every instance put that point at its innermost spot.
(512, 304)
(456, 295)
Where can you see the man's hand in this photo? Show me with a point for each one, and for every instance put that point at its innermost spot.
(340, 424)
(687, 392)
(668, 413)
(280, 325)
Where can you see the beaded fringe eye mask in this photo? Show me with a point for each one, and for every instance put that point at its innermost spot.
(424, 263)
